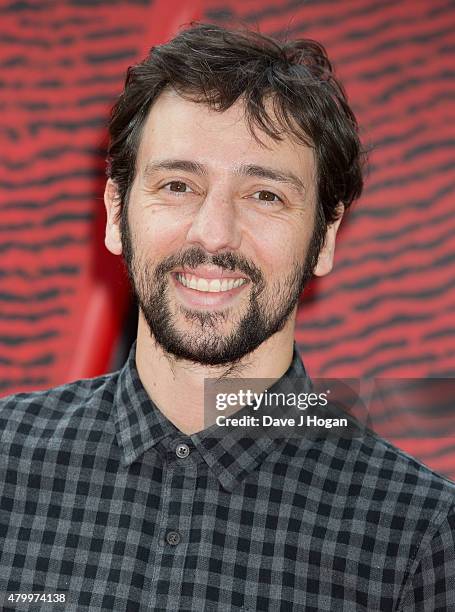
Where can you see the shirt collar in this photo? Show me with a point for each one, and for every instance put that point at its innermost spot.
(230, 454)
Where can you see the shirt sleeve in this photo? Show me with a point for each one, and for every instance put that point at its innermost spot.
(432, 587)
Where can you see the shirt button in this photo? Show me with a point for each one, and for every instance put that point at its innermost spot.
(182, 451)
(173, 538)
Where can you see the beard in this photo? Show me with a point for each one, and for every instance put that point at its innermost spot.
(202, 342)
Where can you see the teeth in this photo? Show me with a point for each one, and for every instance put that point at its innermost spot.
(201, 285)
(211, 285)
(214, 285)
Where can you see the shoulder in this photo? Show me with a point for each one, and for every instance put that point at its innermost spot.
(385, 462)
(381, 506)
(41, 414)
(369, 462)
(368, 480)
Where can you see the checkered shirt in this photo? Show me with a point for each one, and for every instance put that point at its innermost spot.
(99, 501)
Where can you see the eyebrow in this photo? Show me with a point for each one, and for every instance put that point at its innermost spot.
(253, 170)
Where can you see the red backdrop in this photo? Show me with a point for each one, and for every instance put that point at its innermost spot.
(388, 308)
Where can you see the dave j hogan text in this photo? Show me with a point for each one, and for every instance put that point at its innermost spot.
(305, 420)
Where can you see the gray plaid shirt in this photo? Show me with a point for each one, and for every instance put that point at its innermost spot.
(105, 501)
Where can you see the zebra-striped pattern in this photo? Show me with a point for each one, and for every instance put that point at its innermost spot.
(62, 65)
(387, 310)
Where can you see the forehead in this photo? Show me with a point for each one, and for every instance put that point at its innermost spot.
(177, 128)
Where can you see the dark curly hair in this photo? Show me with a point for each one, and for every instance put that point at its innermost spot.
(215, 66)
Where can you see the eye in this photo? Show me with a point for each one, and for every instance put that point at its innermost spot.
(267, 196)
(177, 187)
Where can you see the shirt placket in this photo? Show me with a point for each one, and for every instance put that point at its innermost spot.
(175, 514)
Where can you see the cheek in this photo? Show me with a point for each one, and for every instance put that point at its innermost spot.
(159, 233)
(276, 249)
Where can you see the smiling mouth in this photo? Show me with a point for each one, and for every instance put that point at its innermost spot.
(209, 285)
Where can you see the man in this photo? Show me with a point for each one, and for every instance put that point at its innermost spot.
(232, 159)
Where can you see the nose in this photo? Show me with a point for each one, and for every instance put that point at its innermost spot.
(215, 227)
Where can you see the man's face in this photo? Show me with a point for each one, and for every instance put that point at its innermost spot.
(218, 237)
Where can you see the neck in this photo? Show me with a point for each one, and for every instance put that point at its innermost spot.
(177, 386)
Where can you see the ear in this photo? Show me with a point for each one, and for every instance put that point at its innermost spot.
(327, 253)
(112, 238)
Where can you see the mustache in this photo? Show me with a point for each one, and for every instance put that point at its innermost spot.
(191, 258)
